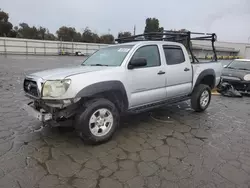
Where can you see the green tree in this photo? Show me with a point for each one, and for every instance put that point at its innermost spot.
(12, 34)
(107, 39)
(49, 36)
(5, 25)
(124, 34)
(41, 32)
(153, 25)
(77, 37)
(25, 31)
(96, 38)
(89, 36)
(68, 34)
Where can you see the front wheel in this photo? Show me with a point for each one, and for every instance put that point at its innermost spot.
(98, 121)
(201, 98)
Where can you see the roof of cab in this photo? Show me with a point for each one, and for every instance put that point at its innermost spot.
(150, 42)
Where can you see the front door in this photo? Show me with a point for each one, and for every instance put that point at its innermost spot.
(178, 71)
(147, 84)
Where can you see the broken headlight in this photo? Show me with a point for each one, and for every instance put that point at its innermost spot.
(55, 88)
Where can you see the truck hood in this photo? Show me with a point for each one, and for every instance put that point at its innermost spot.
(235, 73)
(61, 73)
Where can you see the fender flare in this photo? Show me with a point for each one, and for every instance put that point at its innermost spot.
(106, 86)
(207, 72)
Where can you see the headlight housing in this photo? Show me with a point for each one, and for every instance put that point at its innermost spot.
(247, 77)
(55, 88)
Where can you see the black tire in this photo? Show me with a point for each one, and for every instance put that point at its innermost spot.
(196, 97)
(82, 120)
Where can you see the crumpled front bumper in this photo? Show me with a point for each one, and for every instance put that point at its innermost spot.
(39, 115)
(241, 86)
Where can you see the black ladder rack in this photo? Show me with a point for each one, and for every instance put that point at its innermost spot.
(184, 37)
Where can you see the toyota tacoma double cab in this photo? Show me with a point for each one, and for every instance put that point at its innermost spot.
(129, 77)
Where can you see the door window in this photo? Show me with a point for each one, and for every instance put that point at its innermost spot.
(174, 55)
(150, 53)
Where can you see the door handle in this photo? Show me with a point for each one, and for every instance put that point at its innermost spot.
(186, 69)
(161, 72)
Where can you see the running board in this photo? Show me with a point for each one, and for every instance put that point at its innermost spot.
(151, 106)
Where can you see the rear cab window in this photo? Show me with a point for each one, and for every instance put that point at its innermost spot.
(174, 54)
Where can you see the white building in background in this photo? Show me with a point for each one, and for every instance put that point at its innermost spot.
(202, 49)
(223, 49)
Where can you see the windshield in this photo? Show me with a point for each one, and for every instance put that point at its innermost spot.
(242, 65)
(108, 56)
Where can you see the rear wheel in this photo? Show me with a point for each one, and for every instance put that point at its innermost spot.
(201, 98)
(98, 121)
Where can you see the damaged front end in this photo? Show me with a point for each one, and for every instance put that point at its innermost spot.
(228, 90)
(50, 111)
(243, 86)
(237, 84)
(55, 113)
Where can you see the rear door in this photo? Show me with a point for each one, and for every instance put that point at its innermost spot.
(178, 71)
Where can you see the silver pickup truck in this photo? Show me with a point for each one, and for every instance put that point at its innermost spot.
(126, 77)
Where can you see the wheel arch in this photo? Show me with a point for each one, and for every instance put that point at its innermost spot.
(111, 90)
(206, 77)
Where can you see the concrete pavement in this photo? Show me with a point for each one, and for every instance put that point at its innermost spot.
(168, 147)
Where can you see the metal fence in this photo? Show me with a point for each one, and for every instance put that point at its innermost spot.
(43, 47)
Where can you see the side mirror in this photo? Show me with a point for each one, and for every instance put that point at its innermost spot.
(224, 66)
(137, 62)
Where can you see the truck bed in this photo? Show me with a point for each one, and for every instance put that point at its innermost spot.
(214, 65)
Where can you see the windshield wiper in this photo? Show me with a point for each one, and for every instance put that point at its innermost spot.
(99, 65)
(230, 67)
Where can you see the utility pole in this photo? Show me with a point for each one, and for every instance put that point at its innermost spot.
(134, 29)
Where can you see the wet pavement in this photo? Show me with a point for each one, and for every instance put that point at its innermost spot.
(168, 147)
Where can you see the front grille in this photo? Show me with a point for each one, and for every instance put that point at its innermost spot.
(30, 87)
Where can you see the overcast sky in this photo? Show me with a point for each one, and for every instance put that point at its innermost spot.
(230, 19)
